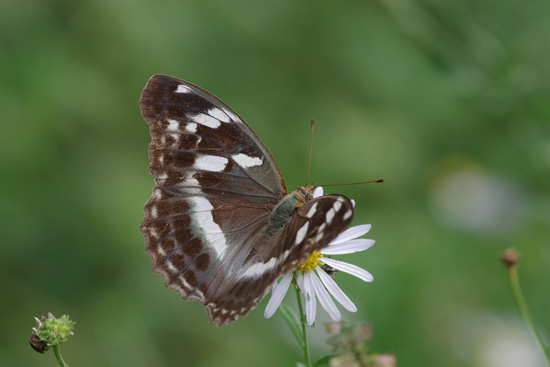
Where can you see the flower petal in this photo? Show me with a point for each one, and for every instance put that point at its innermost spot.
(349, 268)
(277, 294)
(318, 192)
(336, 292)
(324, 298)
(351, 233)
(311, 303)
(275, 284)
(348, 247)
(300, 282)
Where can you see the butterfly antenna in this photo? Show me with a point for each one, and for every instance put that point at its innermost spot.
(355, 183)
(310, 148)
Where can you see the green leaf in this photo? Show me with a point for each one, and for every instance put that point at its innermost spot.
(293, 323)
(300, 364)
(325, 360)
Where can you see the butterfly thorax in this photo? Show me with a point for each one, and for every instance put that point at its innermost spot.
(284, 211)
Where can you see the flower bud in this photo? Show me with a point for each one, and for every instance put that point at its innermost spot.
(510, 257)
(52, 330)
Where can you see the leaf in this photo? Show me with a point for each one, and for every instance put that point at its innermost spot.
(293, 323)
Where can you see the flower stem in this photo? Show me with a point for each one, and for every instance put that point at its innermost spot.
(58, 356)
(304, 345)
(523, 309)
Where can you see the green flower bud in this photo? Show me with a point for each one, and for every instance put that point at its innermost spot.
(52, 330)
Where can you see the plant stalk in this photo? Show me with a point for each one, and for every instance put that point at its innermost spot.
(523, 309)
(305, 345)
(58, 356)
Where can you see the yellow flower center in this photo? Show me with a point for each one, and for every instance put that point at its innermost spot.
(311, 263)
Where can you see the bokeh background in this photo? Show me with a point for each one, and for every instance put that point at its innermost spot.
(449, 101)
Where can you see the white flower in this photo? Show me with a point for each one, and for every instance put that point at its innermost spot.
(313, 280)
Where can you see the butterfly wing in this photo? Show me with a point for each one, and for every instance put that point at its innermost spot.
(193, 130)
(216, 184)
(314, 226)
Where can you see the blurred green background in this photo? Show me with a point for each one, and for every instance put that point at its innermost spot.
(449, 101)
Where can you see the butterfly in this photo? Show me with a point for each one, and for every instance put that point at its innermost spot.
(220, 226)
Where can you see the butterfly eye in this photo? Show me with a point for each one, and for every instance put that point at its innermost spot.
(309, 193)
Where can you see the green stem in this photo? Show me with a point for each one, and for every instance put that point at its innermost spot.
(305, 346)
(58, 356)
(518, 296)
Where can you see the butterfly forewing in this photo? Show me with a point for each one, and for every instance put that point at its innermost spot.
(193, 131)
(207, 225)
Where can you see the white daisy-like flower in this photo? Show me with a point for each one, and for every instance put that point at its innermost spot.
(315, 283)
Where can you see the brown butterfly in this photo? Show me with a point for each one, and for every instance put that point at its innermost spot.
(221, 226)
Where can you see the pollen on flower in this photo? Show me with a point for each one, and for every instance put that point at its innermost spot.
(311, 263)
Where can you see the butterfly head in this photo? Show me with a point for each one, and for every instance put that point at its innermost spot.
(303, 194)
